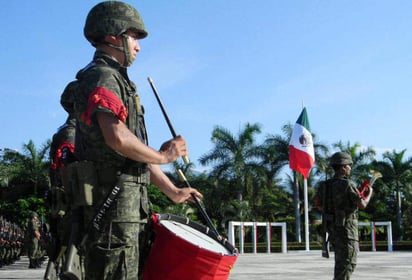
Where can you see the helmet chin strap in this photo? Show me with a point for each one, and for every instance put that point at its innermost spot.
(128, 58)
(125, 49)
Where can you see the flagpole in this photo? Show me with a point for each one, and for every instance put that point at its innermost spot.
(296, 200)
(305, 184)
(302, 158)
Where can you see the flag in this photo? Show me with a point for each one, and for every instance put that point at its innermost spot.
(301, 151)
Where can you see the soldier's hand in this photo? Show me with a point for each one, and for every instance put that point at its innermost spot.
(174, 148)
(185, 195)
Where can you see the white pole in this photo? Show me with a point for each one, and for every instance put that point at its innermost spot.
(373, 237)
(305, 184)
(284, 238)
(241, 236)
(254, 238)
(268, 239)
(231, 233)
(390, 243)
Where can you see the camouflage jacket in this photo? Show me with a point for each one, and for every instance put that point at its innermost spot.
(341, 201)
(104, 86)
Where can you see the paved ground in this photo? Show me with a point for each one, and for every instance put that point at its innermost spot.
(20, 270)
(310, 265)
(292, 265)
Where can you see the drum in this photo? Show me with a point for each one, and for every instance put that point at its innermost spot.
(183, 249)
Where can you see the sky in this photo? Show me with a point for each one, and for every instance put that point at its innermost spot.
(224, 63)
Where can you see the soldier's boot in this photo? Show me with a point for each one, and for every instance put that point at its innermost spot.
(38, 263)
(31, 263)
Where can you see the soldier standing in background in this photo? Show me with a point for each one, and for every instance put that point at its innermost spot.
(11, 242)
(32, 240)
(59, 195)
(340, 203)
(2, 241)
(112, 147)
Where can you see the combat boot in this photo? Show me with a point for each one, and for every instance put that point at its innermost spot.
(38, 263)
(31, 264)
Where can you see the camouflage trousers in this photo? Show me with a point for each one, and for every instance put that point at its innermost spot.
(346, 252)
(114, 253)
(33, 248)
(116, 260)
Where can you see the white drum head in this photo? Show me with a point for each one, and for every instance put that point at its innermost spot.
(194, 236)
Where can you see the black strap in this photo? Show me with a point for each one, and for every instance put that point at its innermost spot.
(107, 204)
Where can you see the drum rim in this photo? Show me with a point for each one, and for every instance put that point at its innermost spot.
(201, 228)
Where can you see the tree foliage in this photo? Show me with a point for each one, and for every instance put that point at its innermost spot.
(244, 180)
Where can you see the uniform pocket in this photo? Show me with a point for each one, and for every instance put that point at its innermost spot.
(84, 179)
(103, 263)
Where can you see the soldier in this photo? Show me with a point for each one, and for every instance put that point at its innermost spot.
(3, 241)
(59, 195)
(340, 200)
(32, 240)
(19, 241)
(112, 146)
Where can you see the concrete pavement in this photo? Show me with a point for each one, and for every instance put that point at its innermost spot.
(310, 265)
(20, 270)
(292, 265)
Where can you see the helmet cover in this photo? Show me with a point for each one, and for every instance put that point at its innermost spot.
(113, 18)
(340, 158)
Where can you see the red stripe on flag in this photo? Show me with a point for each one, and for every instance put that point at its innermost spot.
(300, 161)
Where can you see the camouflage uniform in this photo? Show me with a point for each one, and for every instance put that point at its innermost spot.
(345, 228)
(4, 241)
(33, 241)
(338, 199)
(11, 242)
(104, 86)
(59, 195)
(61, 154)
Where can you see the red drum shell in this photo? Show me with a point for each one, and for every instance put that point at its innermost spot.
(174, 258)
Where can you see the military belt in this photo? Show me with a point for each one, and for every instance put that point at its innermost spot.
(140, 175)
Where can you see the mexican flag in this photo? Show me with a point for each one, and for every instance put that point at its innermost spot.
(301, 152)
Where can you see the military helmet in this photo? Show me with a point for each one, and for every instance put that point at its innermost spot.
(33, 214)
(67, 97)
(112, 18)
(340, 158)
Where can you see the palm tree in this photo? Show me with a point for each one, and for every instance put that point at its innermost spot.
(31, 167)
(234, 158)
(397, 172)
(8, 161)
(275, 152)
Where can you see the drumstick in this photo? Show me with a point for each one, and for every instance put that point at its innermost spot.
(162, 107)
(199, 206)
(185, 159)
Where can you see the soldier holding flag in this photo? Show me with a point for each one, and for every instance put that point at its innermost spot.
(339, 201)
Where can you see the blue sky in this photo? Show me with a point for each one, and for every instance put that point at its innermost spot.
(224, 63)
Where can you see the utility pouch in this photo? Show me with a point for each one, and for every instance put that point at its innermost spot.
(84, 179)
(61, 201)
